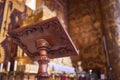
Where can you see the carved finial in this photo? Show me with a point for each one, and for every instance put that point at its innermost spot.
(42, 44)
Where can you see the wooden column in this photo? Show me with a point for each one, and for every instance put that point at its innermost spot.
(43, 60)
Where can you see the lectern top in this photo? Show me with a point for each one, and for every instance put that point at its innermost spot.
(52, 31)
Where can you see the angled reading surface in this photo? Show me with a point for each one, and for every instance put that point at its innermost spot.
(51, 30)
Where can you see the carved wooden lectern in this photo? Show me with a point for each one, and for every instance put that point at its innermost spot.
(43, 40)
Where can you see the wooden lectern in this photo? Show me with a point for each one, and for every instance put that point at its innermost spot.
(43, 40)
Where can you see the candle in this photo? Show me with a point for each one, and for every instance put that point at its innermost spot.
(15, 65)
(1, 67)
(8, 66)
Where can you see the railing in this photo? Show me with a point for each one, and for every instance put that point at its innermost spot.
(18, 76)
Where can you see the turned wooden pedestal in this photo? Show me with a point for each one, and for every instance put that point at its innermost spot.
(42, 59)
(42, 39)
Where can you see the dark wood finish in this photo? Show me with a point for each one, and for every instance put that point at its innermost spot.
(44, 38)
(43, 60)
(50, 30)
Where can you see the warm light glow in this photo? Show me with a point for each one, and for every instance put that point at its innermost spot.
(90, 71)
(31, 4)
(31, 68)
(47, 13)
(79, 63)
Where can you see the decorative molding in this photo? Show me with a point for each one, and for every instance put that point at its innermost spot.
(52, 31)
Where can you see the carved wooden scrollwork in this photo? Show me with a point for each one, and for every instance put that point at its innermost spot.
(50, 30)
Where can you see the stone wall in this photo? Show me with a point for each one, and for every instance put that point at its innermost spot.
(111, 23)
(85, 29)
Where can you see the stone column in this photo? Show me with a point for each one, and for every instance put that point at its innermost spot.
(110, 10)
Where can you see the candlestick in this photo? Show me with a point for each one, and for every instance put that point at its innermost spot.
(15, 65)
(8, 66)
(1, 67)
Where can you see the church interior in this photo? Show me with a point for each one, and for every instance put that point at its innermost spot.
(59, 40)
